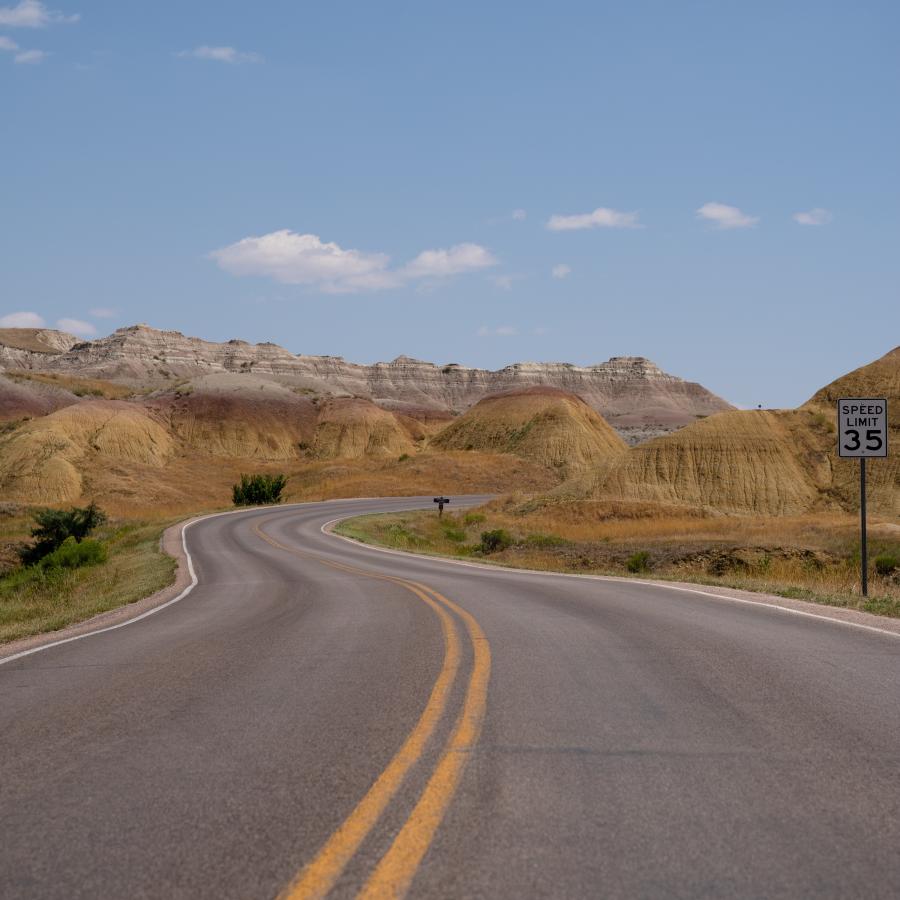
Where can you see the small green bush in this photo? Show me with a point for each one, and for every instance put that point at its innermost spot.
(55, 526)
(403, 457)
(473, 518)
(638, 562)
(457, 535)
(886, 563)
(72, 554)
(495, 541)
(256, 490)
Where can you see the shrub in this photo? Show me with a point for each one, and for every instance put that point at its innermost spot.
(457, 535)
(473, 518)
(255, 490)
(72, 554)
(886, 563)
(55, 526)
(403, 457)
(495, 541)
(638, 562)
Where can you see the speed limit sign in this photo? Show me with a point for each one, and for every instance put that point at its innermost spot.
(862, 428)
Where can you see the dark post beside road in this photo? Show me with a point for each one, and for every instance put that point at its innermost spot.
(440, 502)
(863, 549)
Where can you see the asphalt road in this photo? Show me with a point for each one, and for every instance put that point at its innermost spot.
(319, 716)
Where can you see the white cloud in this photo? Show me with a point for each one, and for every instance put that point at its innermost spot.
(8, 43)
(221, 54)
(21, 320)
(499, 331)
(724, 216)
(76, 326)
(30, 57)
(453, 261)
(33, 14)
(599, 218)
(519, 214)
(817, 216)
(561, 271)
(103, 312)
(305, 259)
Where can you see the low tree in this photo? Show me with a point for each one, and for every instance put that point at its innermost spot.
(54, 526)
(258, 490)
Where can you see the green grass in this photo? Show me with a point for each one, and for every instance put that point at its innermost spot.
(35, 600)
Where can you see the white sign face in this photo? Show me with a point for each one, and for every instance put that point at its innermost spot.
(862, 427)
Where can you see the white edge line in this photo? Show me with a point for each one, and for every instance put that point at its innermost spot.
(188, 589)
(149, 612)
(658, 584)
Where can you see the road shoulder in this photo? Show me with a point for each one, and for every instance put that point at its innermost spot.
(172, 545)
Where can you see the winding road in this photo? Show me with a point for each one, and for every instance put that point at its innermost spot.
(319, 718)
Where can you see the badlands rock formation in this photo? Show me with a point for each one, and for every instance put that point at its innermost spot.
(632, 393)
(549, 426)
(776, 462)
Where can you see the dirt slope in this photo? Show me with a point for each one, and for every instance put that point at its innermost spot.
(353, 428)
(43, 461)
(551, 427)
(776, 462)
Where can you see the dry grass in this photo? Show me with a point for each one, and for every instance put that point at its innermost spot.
(33, 601)
(814, 558)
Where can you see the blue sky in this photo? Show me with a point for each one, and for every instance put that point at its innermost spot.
(470, 182)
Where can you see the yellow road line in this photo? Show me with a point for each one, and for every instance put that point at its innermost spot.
(318, 877)
(395, 872)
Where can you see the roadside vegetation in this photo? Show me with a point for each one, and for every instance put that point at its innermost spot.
(256, 490)
(808, 558)
(58, 567)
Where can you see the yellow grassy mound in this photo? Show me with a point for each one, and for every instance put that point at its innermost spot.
(877, 379)
(756, 461)
(759, 462)
(262, 420)
(549, 426)
(355, 428)
(42, 461)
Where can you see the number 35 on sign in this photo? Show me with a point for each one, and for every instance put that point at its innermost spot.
(862, 427)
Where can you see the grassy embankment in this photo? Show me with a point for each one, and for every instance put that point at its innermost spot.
(809, 558)
(33, 600)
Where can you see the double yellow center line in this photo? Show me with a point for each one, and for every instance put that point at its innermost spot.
(394, 873)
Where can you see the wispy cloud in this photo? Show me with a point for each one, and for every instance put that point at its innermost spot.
(453, 261)
(561, 271)
(599, 218)
(22, 320)
(723, 216)
(519, 215)
(76, 326)
(33, 14)
(817, 216)
(103, 312)
(499, 331)
(221, 54)
(8, 44)
(305, 259)
(30, 57)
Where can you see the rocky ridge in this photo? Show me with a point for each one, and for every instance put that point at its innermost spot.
(632, 393)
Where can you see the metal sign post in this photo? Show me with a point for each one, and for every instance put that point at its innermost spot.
(440, 502)
(862, 435)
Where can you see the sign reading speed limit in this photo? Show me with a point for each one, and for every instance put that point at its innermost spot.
(862, 428)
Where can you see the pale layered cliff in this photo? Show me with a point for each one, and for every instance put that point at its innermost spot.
(632, 393)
